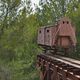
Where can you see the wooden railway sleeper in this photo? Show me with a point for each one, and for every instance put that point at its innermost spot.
(50, 70)
(76, 71)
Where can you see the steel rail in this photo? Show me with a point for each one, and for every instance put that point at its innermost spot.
(61, 65)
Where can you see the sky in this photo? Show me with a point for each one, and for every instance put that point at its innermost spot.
(36, 2)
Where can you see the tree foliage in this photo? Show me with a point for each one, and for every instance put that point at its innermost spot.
(18, 33)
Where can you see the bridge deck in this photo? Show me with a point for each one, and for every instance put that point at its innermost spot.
(62, 67)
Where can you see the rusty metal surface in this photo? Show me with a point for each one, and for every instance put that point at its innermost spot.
(48, 36)
(53, 68)
(41, 36)
(61, 35)
(68, 30)
(65, 27)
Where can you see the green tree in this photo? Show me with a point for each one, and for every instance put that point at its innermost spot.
(51, 10)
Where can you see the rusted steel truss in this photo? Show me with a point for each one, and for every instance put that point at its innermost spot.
(52, 69)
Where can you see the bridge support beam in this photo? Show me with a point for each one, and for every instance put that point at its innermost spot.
(55, 70)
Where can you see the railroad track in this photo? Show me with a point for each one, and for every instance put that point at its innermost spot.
(69, 61)
(58, 67)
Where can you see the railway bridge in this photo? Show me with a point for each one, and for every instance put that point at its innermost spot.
(58, 67)
(56, 39)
